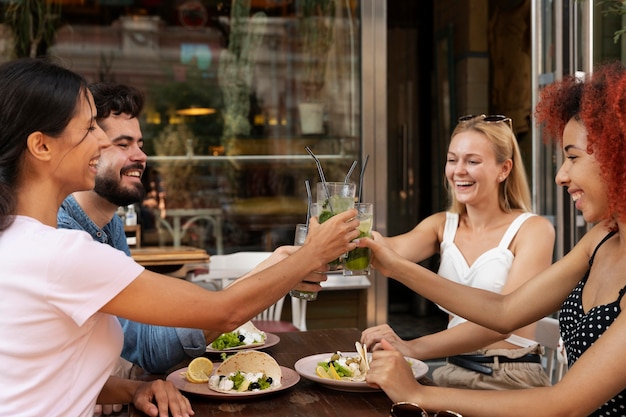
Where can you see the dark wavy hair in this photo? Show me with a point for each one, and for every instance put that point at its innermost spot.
(599, 103)
(36, 95)
(116, 99)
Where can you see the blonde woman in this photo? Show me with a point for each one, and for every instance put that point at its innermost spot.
(487, 239)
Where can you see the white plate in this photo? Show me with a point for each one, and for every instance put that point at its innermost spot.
(289, 379)
(271, 339)
(306, 368)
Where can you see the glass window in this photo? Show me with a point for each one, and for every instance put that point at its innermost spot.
(235, 91)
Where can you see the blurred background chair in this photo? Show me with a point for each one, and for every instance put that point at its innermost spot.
(548, 335)
(225, 269)
(271, 321)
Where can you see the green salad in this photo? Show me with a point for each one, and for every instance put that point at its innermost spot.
(245, 335)
(227, 340)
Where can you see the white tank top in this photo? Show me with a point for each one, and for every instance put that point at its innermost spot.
(488, 272)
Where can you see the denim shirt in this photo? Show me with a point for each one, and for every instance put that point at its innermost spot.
(156, 349)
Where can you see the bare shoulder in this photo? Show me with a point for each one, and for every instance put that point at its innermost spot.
(592, 238)
(536, 235)
(422, 241)
(437, 220)
(434, 223)
(538, 225)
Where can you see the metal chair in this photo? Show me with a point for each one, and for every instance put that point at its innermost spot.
(548, 335)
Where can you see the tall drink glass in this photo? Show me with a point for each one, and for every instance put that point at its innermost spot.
(334, 198)
(300, 237)
(357, 261)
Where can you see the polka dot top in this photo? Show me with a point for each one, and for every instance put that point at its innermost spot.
(580, 331)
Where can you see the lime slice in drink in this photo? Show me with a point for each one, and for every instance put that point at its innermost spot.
(358, 259)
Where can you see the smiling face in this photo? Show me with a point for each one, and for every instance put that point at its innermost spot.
(580, 174)
(472, 171)
(82, 142)
(121, 165)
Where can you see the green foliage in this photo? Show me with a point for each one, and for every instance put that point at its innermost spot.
(34, 24)
(617, 7)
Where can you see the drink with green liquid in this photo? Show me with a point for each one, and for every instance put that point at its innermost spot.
(334, 198)
(357, 261)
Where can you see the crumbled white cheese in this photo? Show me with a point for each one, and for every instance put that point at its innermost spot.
(253, 377)
(223, 383)
(250, 337)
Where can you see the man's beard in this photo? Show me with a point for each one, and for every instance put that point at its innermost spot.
(110, 189)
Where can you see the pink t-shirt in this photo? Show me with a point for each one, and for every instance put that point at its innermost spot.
(56, 349)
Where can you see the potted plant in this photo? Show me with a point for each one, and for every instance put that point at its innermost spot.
(316, 27)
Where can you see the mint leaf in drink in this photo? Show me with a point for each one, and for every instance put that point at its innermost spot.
(325, 215)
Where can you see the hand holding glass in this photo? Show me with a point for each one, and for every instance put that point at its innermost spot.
(300, 237)
(357, 261)
(334, 198)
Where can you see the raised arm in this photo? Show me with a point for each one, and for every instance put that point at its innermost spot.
(500, 312)
(158, 299)
(532, 248)
(422, 241)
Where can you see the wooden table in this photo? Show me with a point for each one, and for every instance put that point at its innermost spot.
(169, 259)
(306, 398)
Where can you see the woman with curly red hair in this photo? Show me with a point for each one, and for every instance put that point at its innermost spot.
(588, 285)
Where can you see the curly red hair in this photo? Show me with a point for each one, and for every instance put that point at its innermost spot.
(599, 103)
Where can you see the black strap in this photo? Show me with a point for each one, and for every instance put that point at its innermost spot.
(476, 362)
(529, 357)
(471, 365)
(604, 239)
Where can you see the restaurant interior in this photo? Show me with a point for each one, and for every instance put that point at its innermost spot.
(237, 90)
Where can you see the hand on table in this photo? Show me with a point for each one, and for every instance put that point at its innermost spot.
(390, 371)
(373, 335)
(167, 397)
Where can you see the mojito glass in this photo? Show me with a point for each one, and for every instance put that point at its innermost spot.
(357, 261)
(300, 237)
(334, 198)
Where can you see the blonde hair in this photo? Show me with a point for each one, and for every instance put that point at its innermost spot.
(514, 192)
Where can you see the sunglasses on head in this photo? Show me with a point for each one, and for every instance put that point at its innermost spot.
(406, 409)
(491, 118)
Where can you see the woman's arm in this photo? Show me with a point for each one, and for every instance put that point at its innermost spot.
(587, 385)
(162, 300)
(503, 313)
(532, 248)
(463, 338)
(422, 241)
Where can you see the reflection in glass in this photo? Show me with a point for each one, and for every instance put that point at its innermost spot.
(252, 64)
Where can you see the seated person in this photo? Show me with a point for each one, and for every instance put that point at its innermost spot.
(118, 183)
(487, 239)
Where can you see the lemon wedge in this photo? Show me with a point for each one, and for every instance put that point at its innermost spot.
(333, 372)
(321, 372)
(199, 370)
